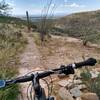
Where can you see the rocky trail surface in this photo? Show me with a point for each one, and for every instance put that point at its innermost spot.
(30, 61)
(57, 51)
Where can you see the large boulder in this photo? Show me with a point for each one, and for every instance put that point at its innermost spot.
(75, 92)
(89, 96)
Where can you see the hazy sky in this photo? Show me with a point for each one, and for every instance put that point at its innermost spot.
(61, 6)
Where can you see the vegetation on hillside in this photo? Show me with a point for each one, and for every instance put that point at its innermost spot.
(11, 42)
(84, 25)
(17, 22)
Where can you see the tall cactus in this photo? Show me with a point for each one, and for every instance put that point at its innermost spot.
(28, 21)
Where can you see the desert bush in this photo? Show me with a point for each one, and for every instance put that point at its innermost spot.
(93, 85)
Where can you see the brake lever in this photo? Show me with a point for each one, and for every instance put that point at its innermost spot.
(67, 69)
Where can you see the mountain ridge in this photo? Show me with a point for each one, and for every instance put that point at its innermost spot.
(84, 25)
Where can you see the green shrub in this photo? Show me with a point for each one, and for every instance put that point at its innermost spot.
(93, 85)
(9, 93)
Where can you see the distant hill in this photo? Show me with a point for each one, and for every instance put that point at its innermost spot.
(14, 20)
(85, 25)
(37, 18)
(9, 19)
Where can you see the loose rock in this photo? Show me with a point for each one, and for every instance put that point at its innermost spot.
(81, 86)
(94, 74)
(77, 82)
(65, 94)
(75, 92)
(78, 98)
(89, 96)
(64, 83)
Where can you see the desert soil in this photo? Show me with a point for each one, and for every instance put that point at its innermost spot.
(57, 51)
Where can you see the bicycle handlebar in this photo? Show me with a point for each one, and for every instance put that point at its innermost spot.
(88, 62)
(69, 69)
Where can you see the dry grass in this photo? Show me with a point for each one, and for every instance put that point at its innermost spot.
(10, 45)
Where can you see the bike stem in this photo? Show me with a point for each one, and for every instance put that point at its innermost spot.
(39, 91)
(36, 85)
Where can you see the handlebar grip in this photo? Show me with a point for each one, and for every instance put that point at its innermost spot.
(88, 62)
(2, 83)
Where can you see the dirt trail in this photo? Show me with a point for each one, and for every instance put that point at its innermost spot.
(65, 50)
(30, 61)
(57, 51)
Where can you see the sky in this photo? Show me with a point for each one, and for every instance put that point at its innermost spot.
(60, 7)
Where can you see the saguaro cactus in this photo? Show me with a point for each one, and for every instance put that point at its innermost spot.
(28, 22)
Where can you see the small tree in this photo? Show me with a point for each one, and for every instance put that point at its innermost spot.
(4, 8)
(46, 24)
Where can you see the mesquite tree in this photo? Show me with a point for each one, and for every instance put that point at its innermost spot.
(4, 8)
